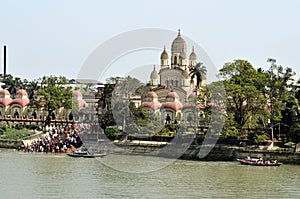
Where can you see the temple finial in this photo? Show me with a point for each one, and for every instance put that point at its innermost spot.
(179, 32)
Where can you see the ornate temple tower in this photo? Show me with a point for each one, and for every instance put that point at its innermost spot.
(193, 58)
(178, 50)
(154, 78)
(164, 59)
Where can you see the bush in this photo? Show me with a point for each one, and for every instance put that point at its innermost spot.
(14, 134)
(33, 127)
(260, 138)
(3, 129)
(112, 133)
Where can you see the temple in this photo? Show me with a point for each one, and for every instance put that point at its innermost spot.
(172, 89)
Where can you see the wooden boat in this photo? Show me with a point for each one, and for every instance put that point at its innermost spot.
(258, 162)
(85, 154)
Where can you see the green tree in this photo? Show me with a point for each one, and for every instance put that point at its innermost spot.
(112, 133)
(54, 94)
(12, 84)
(104, 102)
(278, 88)
(198, 71)
(113, 105)
(142, 90)
(140, 116)
(244, 101)
(31, 88)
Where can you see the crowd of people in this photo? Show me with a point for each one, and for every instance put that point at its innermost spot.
(58, 140)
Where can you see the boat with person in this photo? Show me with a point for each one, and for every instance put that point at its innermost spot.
(85, 154)
(259, 162)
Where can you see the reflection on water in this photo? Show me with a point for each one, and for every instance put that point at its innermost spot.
(38, 175)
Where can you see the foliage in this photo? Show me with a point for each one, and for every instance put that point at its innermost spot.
(105, 97)
(139, 115)
(112, 133)
(290, 144)
(14, 133)
(127, 86)
(230, 129)
(244, 101)
(114, 107)
(168, 130)
(12, 84)
(142, 90)
(260, 138)
(277, 90)
(106, 119)
(31, 87)
(259, 101)
(294, 133)
(198, 71)
(54, 94)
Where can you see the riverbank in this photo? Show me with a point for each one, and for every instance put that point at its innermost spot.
(11, 144)
(220, 152)
(229, 153)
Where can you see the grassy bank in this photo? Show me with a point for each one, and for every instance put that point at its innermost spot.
(14, 132)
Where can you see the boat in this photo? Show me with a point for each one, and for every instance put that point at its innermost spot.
(259, 162)
(85, 154)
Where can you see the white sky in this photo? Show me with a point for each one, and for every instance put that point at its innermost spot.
(55, 37)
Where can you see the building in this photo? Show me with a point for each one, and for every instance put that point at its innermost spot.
(171, 83)
(19, 109)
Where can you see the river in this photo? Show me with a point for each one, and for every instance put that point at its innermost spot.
(38, 175)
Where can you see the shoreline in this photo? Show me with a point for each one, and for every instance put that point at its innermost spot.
(10, 144)
(220, 152)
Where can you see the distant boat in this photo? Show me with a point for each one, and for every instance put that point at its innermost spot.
(85, 154)
(258, 162)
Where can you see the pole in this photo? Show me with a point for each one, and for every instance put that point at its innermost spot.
(279, 131)
(4, 62)
(196, 113)
(273, 64)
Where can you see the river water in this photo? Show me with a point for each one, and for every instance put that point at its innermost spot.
(38, 175)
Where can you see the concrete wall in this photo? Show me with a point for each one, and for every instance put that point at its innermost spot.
(14, 144)
(225, 153)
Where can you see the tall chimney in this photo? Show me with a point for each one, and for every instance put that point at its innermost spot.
(4, 62)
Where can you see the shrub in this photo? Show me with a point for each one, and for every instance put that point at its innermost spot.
(260, 138)
(112, 133)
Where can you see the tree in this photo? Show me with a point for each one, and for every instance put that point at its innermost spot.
(114, 101)
(278, 88)
(12, 84)
(244, 101)
(54, 94)
(31, 87)
(142, 90)
(140, 116)
(105, 97)
(198, 71)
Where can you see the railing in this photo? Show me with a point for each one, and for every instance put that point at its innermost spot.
(17, 120)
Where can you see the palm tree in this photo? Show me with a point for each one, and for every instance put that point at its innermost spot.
(31, 88)
(12, 84)
(198, 71)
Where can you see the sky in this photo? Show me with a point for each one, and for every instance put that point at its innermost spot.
(56, 37)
